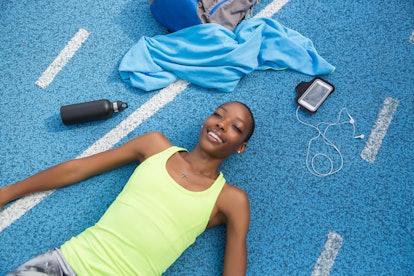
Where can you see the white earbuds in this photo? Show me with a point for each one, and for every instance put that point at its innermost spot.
(351, 120)
(310, 157)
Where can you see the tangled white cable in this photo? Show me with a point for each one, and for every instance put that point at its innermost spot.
(310, 162)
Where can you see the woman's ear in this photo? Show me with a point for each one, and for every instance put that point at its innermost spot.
(242, 147)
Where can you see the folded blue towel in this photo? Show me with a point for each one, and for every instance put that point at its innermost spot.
(211, 56)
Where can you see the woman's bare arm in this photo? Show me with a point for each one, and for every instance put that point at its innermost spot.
(235, 208)
(74, 171)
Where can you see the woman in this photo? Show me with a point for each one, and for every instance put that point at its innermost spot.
(170, 199)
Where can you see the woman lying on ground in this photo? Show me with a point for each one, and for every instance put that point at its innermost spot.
(170, 199)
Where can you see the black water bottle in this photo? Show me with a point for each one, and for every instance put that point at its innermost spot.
(90, 111)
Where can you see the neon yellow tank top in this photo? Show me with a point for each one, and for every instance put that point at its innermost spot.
(149, 225)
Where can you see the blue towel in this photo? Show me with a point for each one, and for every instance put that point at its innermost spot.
(211, 56)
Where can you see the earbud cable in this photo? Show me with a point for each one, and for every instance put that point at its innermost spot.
(310, 162)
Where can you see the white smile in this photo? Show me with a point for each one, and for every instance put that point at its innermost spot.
(215, 136)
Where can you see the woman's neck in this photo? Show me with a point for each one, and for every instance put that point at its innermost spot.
(202, 163)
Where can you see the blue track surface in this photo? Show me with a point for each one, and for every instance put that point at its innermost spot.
(368, 204)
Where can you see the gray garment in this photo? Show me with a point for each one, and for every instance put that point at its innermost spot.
(227, 13)
(51, 263)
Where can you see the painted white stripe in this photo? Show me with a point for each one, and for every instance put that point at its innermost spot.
(411, 40)
(328, 255)
(60, 61)
(272, 8)
(369, 153)
(22, 205)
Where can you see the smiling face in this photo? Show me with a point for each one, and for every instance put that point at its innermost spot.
(225, 131)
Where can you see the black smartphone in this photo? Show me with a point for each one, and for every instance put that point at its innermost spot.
(315, 94)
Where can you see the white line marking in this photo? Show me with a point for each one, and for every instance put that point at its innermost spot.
(22, 205)
(411, 40)
(64, 56)
(328, 255)
(166, 95)
(369, 153)
(272, 8)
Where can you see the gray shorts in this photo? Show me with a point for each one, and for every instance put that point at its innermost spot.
(50, 263)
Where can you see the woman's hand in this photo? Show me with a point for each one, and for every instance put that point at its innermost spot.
(2, 199)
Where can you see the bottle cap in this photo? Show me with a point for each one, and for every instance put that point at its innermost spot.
(119, 106)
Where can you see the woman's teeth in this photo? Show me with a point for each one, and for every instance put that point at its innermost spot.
(215, 136)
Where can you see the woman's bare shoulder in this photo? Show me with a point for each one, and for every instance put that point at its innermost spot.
(232, 200)
(231, 192)
(151, 143)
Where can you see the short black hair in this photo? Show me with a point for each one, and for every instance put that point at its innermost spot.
(253, 126)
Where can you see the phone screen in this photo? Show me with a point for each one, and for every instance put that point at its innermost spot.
(315, 95)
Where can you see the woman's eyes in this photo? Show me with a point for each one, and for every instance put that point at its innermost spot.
(235, 127)
(217, 115)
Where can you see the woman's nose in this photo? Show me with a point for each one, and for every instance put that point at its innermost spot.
(222, 125)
